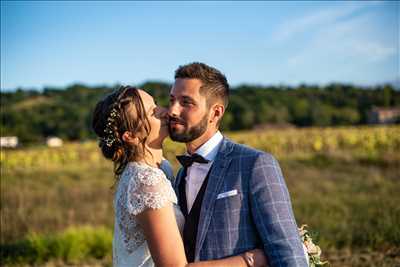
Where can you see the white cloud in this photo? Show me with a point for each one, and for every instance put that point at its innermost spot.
(355, 39)
(318, 19)
(346, 49)
(373, 50)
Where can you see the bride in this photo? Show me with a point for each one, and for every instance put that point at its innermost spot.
(148, 223)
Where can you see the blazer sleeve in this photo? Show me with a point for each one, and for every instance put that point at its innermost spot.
(272, 212)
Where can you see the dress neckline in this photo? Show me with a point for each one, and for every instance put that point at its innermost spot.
(143, 164)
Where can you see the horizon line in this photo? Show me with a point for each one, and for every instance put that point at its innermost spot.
(394, 83)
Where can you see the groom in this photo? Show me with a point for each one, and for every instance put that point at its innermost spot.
(234, 198)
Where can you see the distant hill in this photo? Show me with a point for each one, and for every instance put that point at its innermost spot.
(395, 84)
(67, 113)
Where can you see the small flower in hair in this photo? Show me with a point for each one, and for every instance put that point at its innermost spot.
(109, 137)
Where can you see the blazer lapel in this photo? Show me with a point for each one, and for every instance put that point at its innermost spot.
(177, 181)
(217, 175)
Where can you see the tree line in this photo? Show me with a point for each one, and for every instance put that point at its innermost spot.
(33, 115)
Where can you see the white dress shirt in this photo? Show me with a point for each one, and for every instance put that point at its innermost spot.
(196, 174)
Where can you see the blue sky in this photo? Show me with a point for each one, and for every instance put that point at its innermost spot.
(267, 43)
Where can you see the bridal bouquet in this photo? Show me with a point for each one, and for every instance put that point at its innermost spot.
(313, 251)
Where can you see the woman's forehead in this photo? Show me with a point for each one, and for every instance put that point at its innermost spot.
(146, 98)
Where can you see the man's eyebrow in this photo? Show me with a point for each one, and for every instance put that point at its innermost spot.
(184, 97)
(188, 98)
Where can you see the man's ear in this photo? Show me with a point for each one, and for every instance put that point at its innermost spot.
(129, 138)
(218, 112)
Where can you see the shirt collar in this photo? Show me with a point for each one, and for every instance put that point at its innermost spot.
(210, 148)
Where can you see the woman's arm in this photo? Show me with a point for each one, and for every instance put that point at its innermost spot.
(166, 246)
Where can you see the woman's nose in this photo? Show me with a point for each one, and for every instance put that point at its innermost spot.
(162, 112)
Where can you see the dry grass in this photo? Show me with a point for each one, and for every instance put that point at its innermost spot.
(349, 197)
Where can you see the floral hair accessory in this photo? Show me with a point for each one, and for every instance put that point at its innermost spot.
(109, 137)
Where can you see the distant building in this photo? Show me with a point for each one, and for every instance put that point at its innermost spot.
(384, 115)
(54, 142)
(9, 141)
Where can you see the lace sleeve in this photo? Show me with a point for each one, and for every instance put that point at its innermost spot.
(149, 188)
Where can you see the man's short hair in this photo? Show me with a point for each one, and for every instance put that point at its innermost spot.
(214, 84)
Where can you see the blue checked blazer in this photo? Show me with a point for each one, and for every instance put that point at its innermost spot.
(259, 216)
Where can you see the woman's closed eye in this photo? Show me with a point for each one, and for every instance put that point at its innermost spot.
(151, 111)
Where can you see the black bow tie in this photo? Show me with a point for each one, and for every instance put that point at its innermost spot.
(187, 161)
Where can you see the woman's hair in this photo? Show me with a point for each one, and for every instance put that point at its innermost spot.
(118, 112)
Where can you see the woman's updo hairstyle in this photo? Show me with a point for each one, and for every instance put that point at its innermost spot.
(119, 112)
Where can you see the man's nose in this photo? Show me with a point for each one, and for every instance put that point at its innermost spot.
(174, 109)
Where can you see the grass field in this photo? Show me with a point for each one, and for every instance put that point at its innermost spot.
(56, 204)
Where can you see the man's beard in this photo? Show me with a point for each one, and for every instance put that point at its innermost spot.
(189, 134)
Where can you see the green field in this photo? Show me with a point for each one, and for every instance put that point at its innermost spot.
(56, 204)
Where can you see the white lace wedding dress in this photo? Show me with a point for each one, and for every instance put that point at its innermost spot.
(140, 187)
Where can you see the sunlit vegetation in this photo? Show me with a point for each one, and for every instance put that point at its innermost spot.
(56, 203)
